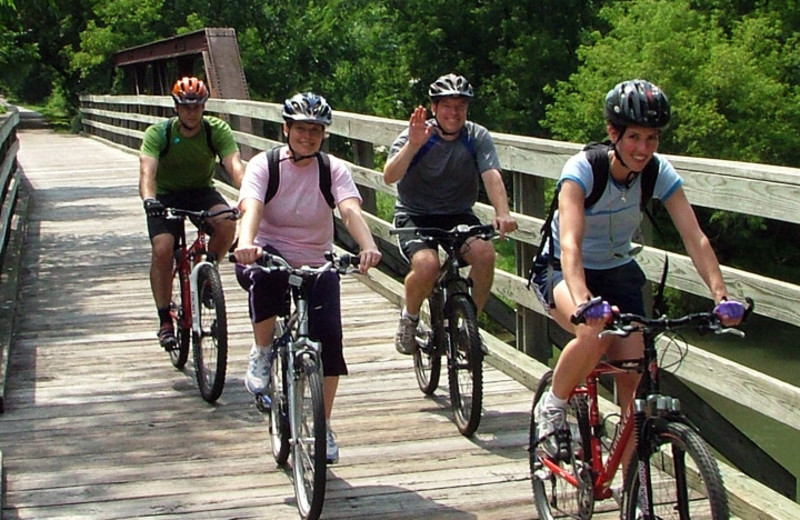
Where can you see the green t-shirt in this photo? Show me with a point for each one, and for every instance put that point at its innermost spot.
(189, 163)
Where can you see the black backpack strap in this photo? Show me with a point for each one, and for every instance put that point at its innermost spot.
(325, 183)
(274, 173)
(597, 155)
(167, 136)
(209, 139)
(649, 176)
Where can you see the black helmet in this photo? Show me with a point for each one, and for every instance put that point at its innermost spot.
(637, 102)
(307, 107)
(450, 85)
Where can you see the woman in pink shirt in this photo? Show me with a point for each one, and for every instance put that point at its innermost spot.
(297, 224)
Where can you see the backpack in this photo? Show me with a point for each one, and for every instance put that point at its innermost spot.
(597, 155)
(168, 135)
(273, 163)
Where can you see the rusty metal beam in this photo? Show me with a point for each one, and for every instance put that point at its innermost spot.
(177, 46)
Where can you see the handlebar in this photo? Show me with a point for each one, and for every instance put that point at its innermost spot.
(333, 262)
(459, 233)
(623, 324)
(176, 213)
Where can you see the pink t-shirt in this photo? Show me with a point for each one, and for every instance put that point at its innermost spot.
(297, 221)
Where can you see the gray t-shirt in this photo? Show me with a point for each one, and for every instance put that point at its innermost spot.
(444, 175)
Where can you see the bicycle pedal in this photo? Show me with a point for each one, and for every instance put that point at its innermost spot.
(263, 403)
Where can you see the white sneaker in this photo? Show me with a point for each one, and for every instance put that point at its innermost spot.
(333, 448)
(257, 378)
(405, 339)
(549, 421)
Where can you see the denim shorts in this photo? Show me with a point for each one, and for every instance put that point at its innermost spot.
(620, 286)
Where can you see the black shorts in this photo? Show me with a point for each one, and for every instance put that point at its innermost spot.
(620, 286)
(410, 244)
(199, 199)
(268, 297)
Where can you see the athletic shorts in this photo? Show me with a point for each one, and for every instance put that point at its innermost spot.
(410, 244)
(199, 199)
(269, 296)
(620, 286)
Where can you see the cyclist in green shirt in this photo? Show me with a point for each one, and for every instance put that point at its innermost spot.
(176, 169)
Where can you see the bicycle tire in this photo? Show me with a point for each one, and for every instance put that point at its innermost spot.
(465, 364)
(278, 413)
(210, 345)
(309, 446)
(182, 319)
(555, 497)
(428, 359)
(671, 443)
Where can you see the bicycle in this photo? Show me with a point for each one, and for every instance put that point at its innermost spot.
(453, 328)
(197, 304)
(294, 400)
(672, 473)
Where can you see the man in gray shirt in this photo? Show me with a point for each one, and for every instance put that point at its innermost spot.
(437, 164)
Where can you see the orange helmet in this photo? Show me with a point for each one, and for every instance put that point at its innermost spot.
(189, 91)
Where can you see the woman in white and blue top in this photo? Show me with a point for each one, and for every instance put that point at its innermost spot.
(590, 249)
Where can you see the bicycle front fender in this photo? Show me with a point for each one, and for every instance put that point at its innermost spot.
(196, 294)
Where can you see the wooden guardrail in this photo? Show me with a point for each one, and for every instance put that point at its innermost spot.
(756, 189)
(10, 183)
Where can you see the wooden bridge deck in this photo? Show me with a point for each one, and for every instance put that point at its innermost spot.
(99, 425)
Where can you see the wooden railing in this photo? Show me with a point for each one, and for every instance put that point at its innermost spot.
(10, 183)
(756, 189)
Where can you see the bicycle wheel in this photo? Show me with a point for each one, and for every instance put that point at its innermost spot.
(309, 443)
(211, 344)
(685, 480)
(465, 364)
(428, 358)
(553, 495)
(278, 413)
(178, 306)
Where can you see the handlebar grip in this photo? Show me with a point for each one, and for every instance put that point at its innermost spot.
(231, 257)
(577, 318)
(353, 260)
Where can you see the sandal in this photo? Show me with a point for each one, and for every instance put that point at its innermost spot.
(166, 336)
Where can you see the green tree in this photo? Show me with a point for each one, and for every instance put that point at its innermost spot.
(732, 85)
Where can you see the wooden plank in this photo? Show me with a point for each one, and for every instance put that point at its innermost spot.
(92, 396)
(127, 426)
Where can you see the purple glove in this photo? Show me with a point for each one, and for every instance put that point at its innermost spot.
(594, 309)
(727, 310)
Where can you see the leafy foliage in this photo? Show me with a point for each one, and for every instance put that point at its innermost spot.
(539, 67)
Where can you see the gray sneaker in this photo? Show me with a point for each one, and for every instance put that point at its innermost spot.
(257, 378)
(333, 448)
(549, 421)
(405, 339)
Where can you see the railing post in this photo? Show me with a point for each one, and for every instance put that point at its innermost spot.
(365, 156)
(532, 337)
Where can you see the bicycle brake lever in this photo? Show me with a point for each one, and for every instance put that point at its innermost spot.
(730, 330)
(614, 332)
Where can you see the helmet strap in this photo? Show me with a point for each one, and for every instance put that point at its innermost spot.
(442, 130)
(631, 173)
(292, 154)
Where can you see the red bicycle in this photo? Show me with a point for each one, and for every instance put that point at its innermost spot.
(672, 473)
(198, 304)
